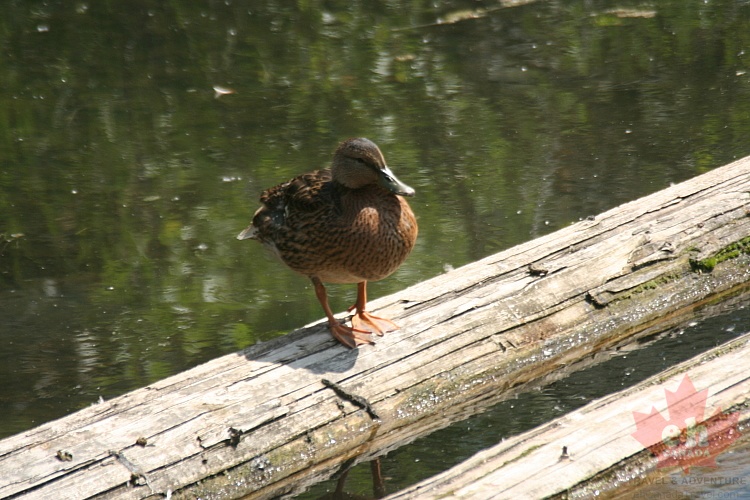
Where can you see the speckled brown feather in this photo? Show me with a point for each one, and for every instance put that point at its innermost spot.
(320, 228)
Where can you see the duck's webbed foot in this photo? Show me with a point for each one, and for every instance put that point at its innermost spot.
(350, 337)
(364, 321)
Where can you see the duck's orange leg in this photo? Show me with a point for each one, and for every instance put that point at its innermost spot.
(364, 321)
(350, 337)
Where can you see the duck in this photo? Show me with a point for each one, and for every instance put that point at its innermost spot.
(346, 224)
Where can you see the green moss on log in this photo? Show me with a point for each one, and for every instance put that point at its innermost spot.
(729, 252)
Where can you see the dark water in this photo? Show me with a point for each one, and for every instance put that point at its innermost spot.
(124, 178)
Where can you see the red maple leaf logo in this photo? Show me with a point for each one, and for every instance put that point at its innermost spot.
(686, 439)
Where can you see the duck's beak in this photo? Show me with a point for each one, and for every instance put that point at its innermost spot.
(249, 233)
(392, 184)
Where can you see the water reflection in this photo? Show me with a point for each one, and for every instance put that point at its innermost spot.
(123, 178)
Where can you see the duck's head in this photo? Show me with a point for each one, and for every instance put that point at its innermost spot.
(358, 162)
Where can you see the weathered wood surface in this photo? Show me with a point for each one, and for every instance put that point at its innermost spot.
(261, 421)
(597, 437)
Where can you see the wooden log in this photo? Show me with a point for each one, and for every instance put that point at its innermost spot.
(263, 422)
(596, 438)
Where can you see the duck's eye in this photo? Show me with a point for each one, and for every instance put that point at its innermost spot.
(360, 160)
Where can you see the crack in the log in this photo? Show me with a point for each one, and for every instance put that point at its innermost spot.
(352, 398)
(463, 309)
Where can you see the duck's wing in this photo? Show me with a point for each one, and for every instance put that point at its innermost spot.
(305, 193)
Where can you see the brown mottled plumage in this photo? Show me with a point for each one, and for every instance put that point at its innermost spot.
(349, 224)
